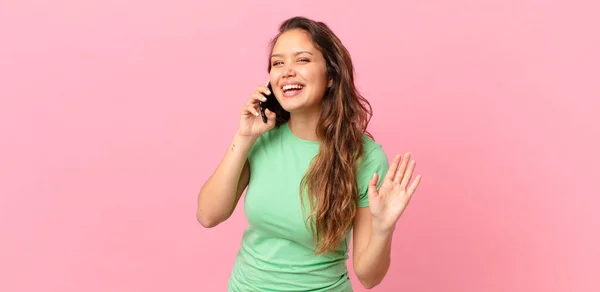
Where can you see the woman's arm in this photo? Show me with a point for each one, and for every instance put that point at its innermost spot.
(221, 192)
(372, 248)
(374, 226)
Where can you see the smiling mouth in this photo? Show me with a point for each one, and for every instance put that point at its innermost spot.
(292, 89)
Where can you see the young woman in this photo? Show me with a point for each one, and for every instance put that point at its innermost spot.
(313, 173)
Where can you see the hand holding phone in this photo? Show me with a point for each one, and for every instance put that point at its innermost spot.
(250, 123)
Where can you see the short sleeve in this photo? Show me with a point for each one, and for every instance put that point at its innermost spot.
(375, 161)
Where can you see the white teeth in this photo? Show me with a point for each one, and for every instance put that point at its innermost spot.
(292, 86)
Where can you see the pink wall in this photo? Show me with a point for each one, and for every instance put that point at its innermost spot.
(114, 114)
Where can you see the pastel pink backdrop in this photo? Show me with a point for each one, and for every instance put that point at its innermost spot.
(113, 114)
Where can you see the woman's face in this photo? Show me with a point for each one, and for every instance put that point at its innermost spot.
(298, 72)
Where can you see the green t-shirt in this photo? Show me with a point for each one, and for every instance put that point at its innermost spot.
(277, 247)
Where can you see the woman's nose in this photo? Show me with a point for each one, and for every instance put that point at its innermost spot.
(289, 72)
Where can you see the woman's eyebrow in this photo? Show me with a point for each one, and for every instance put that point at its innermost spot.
(295, 54)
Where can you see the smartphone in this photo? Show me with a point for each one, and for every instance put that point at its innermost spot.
(269, 104)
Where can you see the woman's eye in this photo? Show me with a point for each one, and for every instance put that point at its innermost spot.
(303, 60)
(277, 63)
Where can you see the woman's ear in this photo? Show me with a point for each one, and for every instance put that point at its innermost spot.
(330, 83)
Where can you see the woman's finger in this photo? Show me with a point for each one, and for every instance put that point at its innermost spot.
(414, 185)
(263, 89)
(408, 174)
(256, 97)
(392, 170)
(271, 116)
(400, 172)
(373, 185)
(249, 109)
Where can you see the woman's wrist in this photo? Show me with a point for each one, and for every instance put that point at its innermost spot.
(379, 230)
(244, 138)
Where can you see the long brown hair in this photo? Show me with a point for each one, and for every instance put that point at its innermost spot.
(330, 181)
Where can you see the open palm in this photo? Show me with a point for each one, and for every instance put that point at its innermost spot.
(389, 201)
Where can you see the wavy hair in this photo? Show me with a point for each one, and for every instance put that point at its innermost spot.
(330, 181)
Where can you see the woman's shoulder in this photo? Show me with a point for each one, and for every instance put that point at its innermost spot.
(373, 160)
(374, 154)
(266, 139)
(272, 134)
(371, 147)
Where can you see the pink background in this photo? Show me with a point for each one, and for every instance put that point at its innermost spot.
(113, 115)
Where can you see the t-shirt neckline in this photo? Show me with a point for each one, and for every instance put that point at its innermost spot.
(303, 141)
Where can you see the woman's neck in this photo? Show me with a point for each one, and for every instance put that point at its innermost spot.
(304, 125)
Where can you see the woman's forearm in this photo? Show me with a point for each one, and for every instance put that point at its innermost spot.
(217, 197)
(373, 264)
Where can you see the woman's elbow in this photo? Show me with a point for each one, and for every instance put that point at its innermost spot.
(369, 284)
(207, 221)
